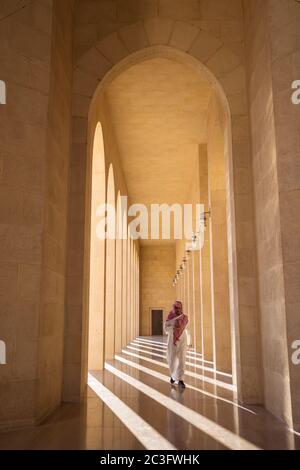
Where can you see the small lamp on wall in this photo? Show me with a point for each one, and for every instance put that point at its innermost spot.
(203, 219)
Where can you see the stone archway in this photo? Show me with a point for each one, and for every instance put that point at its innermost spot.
(224, 70)
(96, 248)
(119, 269)
(109, 324)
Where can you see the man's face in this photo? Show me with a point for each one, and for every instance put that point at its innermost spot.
(177, 306)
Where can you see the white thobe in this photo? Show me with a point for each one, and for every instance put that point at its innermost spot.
(176, 354)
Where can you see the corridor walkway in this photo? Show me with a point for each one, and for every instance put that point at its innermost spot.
(131, 405)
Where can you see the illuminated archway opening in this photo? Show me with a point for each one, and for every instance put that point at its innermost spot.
(119, 272)
(110, 301)
(97, 256)
(230, 157)
(129, 281)
(124, 278)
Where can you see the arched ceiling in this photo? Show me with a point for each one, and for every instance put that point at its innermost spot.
(159, 115)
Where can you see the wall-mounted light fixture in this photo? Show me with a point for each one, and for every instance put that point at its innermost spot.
(195, 241)
(182, 266)
(204, 218)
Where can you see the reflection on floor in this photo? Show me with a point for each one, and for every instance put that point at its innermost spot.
(131, 405)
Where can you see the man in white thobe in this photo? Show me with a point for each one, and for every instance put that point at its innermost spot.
(176, 328)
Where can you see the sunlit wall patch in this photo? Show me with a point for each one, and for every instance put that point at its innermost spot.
(2, 353)
(2, 92)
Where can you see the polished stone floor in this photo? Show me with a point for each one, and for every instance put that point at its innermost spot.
(131, 405)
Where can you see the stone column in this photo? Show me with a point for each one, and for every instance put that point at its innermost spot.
(129, 247)
(136, 295)
(109, 323)
(124, 293)
(132, 316)
(197, 304)
(205, 264)
(284, 18)
(219, 255)
(190, 291)
(118, 295)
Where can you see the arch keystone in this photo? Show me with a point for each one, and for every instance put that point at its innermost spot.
(94, 63)
(112, 48)
(134, 36)
(183, 36)
(158, 30)
(205, 46)
(223, 62)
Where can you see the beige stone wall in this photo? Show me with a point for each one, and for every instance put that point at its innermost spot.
(284, 34)
(25, 44)
(35, 52)
(269, 254)
(273, 64)
(55, 214)
(205, 262)
(157, 268)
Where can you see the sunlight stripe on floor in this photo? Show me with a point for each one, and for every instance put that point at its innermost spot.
(146, 343)
(191, 364)
(166, 378)
(151, 348)
(215, 382)
(151, 341)
(164, 356)
(164, 346)
(143, 432)
(212, 429)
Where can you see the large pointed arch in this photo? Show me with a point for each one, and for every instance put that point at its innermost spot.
(221, 68)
